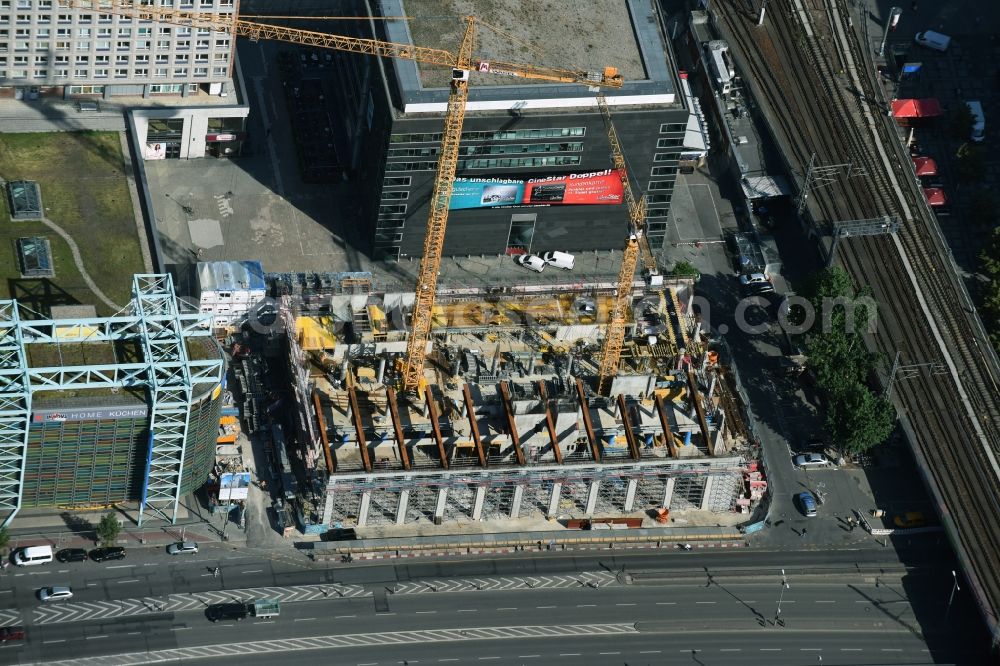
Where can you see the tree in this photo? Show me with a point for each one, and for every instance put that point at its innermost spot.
(858, 419)
(4, 540)
(686, 269)
(971, 162)
(990, 256)
(108, 529)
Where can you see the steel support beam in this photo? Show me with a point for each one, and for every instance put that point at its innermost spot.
(470, 412)
(404, 499)
(633, 445)
(550, 421)
(477, 507)
(432, 415)
(592, 492)
(700, 410)
(668, 492)
(706, 497)
(328, 509)
(366, 504)
(359, 428)
(442, 501)
(515, 502)
(397, 427)
(331, 464)
(554, 500)
(588, 425)
(508, 409)
(668, 435)
(633, 485)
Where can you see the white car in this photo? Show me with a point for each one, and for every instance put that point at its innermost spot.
(182, 547)
(810, 460)
(55, 593)
(531, 261)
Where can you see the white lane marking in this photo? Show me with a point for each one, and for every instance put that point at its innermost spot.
(666, 603)
(770, 649)
(133, 633)
(253, 571)
(823, 601)
(151, 564)
(91, 584)
(304, 619)
(602, 653)
(90, 638)
(586, 605)
(704, 602)
(60, 640)
(569, 654)
(6, 591)
(528, 656)
(186, 628)
(850, 649)
(130, 580)
(63, 571)
(506, 609)
(119, 566)
(342, 617)
(468, 610)
(634, 604)
(650, 651)
(730, 649)
(426, 612)
(544, 606)
(449, 659)
(810, 649)
(487, 658)
(892, 649)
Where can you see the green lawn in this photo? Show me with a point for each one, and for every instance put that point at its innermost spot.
(85, 192)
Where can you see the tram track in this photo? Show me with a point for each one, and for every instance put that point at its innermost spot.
(804, 62)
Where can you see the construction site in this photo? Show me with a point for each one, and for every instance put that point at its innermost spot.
(507, 421)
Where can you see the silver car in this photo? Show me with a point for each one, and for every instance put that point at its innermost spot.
(182, 547)
(810, 460)
(55, 593)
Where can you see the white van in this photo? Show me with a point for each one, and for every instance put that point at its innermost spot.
(978, 121)
(561, 260)
(33, 555)
(933, 40)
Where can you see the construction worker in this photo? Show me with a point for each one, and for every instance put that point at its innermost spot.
(215, 573)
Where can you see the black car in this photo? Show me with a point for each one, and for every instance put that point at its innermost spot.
(105, 554)
(235, 611)
(72, 555)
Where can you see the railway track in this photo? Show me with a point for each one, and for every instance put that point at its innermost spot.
(816, 84)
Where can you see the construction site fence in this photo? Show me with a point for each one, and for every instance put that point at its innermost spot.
(537, 541)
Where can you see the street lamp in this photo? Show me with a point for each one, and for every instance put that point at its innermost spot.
(954, 588)
(890, 25)
(781, 595)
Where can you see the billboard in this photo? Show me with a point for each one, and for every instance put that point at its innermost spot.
(234, 486)
(88, 413)
(156, 151)
(596, 187)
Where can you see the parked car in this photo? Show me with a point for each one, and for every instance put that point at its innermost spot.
(234, 611)
(72, 555)
(910, 519)
(105, 554)
(182, 548)
(810, 460)
(531, 261)
(807, 503)
(55, 593)
(561, 260)
(8, 634)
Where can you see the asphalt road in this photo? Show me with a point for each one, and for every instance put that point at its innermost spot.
(646, 600)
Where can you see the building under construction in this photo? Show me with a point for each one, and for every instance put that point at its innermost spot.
(507, 423)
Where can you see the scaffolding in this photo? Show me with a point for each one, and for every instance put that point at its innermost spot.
(156, 324)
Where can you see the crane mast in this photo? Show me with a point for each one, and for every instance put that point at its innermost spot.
(614, 337)
(461, 64)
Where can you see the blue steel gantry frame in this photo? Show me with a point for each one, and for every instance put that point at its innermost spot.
(166, 371)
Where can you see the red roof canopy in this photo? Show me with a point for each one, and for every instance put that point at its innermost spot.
(925, 166)
(935, 196)
(916, 108)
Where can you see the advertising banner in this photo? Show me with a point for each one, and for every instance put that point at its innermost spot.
(485, 192)
(234, 486)
(599, 187)
(156, 151)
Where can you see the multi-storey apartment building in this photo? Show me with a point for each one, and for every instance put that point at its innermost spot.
(48, 49)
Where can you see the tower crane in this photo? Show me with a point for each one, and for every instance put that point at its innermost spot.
(461, 64)
(614, 337)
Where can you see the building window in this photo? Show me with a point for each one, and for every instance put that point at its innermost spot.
(103, 45)
(657, 198)
(661, 185)
(670, 142)
(160, 72)
(657, 212)
(80, 74)
(672, 127)
(395, 195)
(391, 208)
(506, 135)
(397, 181)
(180, 72)
(201, 71)
(121, 73)
(100, 73)
(494, 149)
(219, 71)
(664, 170)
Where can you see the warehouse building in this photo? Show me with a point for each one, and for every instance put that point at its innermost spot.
(516, 131)
(101, 411)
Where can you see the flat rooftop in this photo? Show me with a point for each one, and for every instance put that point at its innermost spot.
(559, 33)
